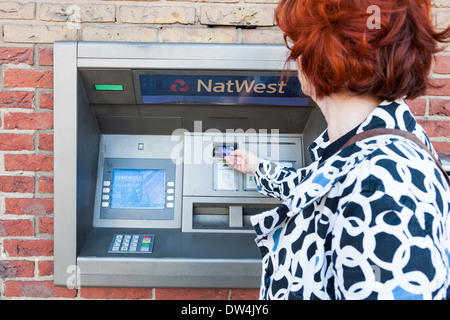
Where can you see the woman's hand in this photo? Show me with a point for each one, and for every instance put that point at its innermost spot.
(243, 161)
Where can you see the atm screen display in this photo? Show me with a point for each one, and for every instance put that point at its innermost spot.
(138, 189)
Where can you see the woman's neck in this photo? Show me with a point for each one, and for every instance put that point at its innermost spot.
(344, 111)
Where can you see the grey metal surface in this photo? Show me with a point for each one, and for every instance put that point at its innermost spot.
(94, 77)
(88, 140)
(217, 209)
(165, 119)
(446, 163)
(182, 56)
(65, 159)
(179, 259)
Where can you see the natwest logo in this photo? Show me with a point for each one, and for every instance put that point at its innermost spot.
(179, 85)
(241, 86)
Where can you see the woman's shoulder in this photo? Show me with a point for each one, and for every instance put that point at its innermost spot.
(402, 166)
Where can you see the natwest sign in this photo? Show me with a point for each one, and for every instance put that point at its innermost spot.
(243, 86)
(257, 88)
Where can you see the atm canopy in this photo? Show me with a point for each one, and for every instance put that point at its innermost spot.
(157, 88)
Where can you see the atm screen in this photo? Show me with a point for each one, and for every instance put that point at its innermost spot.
(138, 189)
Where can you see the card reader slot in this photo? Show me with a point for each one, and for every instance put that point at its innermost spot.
(263, 142)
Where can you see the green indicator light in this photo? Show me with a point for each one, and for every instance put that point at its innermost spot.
(108, 87)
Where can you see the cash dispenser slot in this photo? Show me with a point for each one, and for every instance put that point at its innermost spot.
(225, 216)
(143, 195)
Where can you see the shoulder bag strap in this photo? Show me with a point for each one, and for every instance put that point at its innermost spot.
(405, 134)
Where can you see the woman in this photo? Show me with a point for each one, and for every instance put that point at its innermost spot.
(369, 220)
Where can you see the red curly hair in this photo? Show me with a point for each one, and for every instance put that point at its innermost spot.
(339, 51)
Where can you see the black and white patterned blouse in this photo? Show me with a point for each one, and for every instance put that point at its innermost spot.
(370, 222)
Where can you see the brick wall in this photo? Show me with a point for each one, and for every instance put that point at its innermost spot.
(26, 114)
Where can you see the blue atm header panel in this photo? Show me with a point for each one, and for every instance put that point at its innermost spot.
(220, 87)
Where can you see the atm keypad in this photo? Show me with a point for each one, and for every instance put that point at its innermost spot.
(132, 243)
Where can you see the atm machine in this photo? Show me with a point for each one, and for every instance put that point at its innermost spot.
(143, 196)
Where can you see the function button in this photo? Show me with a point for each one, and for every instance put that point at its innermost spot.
(106, 190)
(169, 204)
(105, 197)
(105, 204)
(171, 184)
(106, 183)
(170, 191)
(169, 198)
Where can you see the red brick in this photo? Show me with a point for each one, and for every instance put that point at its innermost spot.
(16, 142)
(191, 294)
(45, 57)
(46, 268)
(418, 106)
(115, 293)
(46, 225)
(46, 141)
(16, 99)
(244, 294)
(440, 107)
(16, 55)
(16, 228)
(28, 121)
(442, 65)
(37, 289)
(443, 87)
(16, 269)
(20, 184)
(28, 248)
(25, 78)
(34, 206)
(45, 184)
(442, 148)
(436, 128)
(28, 162)
(46, 100)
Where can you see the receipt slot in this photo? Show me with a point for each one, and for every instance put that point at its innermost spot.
(143, 196)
